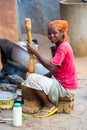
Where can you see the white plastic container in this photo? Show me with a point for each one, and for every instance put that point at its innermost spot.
(17, 115)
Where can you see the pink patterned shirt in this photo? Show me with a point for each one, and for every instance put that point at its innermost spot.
(66, 72)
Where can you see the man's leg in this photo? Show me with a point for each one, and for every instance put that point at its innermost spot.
(41, 85)
(47, 104)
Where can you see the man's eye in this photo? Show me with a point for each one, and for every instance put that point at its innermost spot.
(55, 32)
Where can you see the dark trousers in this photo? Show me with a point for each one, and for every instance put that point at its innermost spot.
(6, 50)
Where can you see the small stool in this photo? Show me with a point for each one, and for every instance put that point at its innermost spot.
(66, 105)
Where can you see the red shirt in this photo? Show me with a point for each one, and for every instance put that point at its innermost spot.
(66, 72)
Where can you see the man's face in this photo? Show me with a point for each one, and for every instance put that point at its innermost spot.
(54, 35)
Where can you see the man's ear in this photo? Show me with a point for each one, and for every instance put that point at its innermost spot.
(62, 33)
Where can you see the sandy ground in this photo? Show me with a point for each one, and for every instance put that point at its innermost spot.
(77, 120)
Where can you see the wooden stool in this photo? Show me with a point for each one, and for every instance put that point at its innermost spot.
(66, 105)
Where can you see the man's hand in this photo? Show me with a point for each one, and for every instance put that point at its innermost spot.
(31, 49)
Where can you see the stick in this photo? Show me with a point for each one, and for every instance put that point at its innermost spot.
(31, 61)
(6, 119)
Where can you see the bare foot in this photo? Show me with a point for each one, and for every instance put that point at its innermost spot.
(50, 108)
(45, 110)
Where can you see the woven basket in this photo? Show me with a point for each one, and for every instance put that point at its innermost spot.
(7, 100)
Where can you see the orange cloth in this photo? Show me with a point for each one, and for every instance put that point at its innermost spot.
(61, 25)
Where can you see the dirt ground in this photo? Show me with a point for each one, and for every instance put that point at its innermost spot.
(77, 120)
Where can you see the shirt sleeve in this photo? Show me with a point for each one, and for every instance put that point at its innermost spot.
(59, 57)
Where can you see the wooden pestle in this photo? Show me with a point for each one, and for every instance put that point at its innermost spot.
(31, 60)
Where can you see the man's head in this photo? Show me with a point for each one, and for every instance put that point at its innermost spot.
(60, 28)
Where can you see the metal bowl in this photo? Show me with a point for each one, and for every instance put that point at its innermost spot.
(20, 55)
(7, 99)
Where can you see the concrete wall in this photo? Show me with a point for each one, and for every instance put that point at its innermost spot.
(40, 12)
(76, 15)
(8, 20)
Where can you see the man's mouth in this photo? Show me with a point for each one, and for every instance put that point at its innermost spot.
(52, 40)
